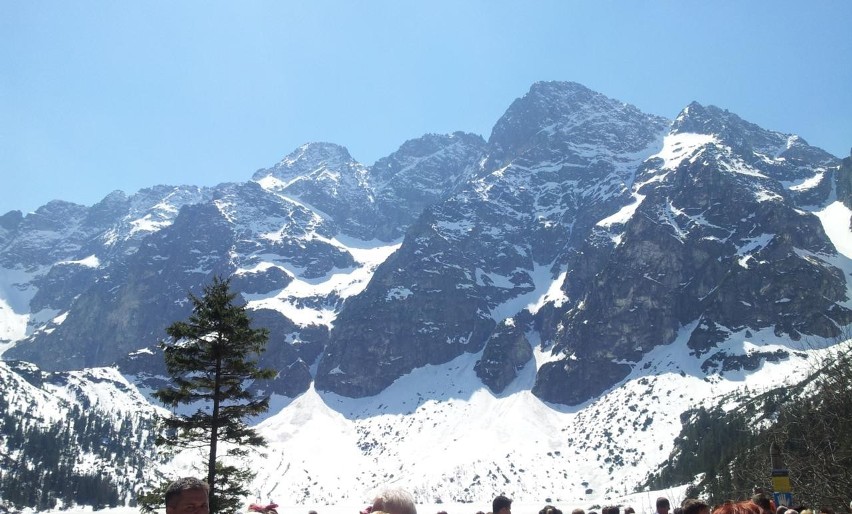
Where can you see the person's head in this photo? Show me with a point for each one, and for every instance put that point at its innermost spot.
(501, 505)
(738, 507)
(395, 501)
(610, 509)
(763, 501)
(578, 511)
(188, 495)
(629, 510)
(695, 506)
(663, 505)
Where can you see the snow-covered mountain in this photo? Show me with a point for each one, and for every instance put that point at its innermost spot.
(527, 314)
(73, 437)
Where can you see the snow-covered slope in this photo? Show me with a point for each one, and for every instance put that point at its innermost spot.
(529, 314)
(440, 434)
(58, 430)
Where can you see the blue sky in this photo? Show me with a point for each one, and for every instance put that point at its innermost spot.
(99, 96)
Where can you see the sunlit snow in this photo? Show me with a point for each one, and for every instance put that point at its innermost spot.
(148, 223)
(547, 289)
(624, 214)
(835, 220)
(338, 283)
(91, 261)
(677, 147)
(15, 295)
(439, 433)
(752, 246)
(806, 183)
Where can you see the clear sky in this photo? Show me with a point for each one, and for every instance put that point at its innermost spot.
(102, 95)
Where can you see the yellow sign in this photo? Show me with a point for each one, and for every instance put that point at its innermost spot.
(781, 484)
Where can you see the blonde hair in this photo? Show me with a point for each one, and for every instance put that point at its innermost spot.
(394, 501)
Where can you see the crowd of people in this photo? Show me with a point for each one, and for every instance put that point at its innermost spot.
(759, 504)
(190, 496)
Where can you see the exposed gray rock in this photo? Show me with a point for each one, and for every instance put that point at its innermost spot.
(508, 351)
(717, 236)
(702, 222)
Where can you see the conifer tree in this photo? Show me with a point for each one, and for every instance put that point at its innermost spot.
(212, 357)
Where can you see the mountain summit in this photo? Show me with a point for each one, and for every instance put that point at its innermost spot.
(585, 249)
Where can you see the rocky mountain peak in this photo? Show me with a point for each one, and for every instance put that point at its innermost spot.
(578, 255)
(730, 129)
(429, 149)
(573, 226)
(11, 220)
(566, 111)
(802, 169)
(419, 174)
(308, 159)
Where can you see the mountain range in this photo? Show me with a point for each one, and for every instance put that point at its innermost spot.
(528, 314)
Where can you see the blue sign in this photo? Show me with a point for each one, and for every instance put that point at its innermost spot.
(785, 499)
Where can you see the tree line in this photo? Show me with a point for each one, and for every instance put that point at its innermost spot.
(808, 424)
(214, 354)
(42, 466)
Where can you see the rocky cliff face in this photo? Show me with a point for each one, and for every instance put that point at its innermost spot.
(560, 158)
(583, 228)
(715, 235)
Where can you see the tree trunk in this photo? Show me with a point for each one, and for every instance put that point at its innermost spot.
(214, 433)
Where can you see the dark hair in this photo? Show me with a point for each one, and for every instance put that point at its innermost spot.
(500, 502)
(662, 501)
(762, 500)
(693, 506)
(180, 485)
(610, 509)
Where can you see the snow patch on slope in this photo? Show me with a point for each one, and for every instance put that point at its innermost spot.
(16, 292)
(91, 261)
(624, 214)
(547, 289)
(340, 284)
(835, 220)
(806, 183)
(440, 434)
(678, 147)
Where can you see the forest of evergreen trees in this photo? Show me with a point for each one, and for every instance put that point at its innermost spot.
(808, 423)
(66, 463)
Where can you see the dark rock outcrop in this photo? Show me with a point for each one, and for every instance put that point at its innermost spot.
(582, 224)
